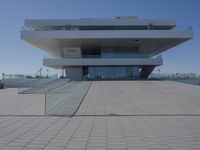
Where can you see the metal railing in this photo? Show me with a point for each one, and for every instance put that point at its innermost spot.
(178, 27)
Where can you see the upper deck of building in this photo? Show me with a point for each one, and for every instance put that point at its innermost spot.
(115, 23)
(151, 36)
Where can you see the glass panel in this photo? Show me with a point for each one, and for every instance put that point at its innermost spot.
(111, 72)
(107, 53)
(65, 101)
(33, 85)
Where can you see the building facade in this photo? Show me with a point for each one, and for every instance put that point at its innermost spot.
(116, 48)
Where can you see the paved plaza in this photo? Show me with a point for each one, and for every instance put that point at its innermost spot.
(141, 98)
(12, 103)
(114, 115)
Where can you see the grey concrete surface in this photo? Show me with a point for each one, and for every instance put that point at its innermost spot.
(141, 98)
(180, 130)
(100, 133)
(12, 103)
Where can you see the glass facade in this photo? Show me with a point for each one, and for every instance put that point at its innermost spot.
(110, 72)
(119, 54)
(107, 27)
(113, 72)
(110, 53)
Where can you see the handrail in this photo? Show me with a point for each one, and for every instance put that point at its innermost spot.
(178, 27)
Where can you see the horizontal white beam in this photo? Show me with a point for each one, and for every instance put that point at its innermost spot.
(58, 63)
(127, 34)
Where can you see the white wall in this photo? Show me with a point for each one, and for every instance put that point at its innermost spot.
(101, 61)
(72, 52)
(73, 72)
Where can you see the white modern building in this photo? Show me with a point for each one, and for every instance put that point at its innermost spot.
(117, 48)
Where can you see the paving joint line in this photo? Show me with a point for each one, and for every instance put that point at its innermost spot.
(145, 115)
(82, 100)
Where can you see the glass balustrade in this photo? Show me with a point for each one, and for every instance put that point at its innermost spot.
(107, 28)
(29, 86)
(67, 99)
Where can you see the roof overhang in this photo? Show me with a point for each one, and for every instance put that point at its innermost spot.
(68, 62)
(150, 42)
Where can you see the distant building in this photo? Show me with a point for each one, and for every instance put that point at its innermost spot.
(117, 48)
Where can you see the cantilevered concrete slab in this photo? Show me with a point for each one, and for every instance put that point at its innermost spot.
(150, 41)
(59, 63)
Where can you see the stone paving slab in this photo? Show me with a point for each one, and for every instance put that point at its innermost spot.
(12, 103)
(115, 98)
(141, 98)
(108, 133)
(177, 129)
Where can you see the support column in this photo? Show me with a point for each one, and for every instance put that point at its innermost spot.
(146, 71)
(74, 72)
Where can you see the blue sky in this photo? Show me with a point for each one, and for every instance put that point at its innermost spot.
(17, 56)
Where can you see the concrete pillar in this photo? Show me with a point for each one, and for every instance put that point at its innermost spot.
(74, 72)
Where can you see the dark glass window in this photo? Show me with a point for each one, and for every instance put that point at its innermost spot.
(92, 52)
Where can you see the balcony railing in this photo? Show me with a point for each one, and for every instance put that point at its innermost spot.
(179, 27)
